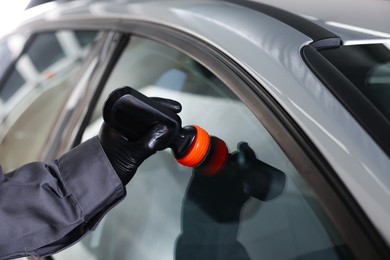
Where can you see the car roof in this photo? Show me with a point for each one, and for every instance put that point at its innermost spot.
(369, 14)
(366, 21)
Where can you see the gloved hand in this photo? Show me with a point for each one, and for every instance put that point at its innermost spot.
(125, 156)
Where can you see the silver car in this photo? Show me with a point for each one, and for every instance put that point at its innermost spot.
(311, 97)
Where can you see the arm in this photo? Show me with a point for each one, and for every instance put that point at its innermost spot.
(45, 207)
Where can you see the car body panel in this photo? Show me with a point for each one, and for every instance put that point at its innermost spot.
(364, 14)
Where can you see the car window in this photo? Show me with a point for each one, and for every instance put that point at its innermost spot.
(34, 91)
(368, 68)
(160, 219)
(45, 43)
(5, 56)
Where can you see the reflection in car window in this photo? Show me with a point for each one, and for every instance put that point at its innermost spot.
(378, 83)
(34, 92)
(10, 47)
(5, 56)
(164, 215)
(45, 50)
(85, 37)
(13, 84)
(368, 68)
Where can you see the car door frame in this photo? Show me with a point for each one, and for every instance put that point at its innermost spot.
(353, 224)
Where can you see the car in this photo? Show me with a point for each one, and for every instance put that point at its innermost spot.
(310, 97)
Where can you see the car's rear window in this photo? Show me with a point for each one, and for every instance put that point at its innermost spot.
(368, 68)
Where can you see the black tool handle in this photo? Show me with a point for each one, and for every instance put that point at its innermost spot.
(132, 114)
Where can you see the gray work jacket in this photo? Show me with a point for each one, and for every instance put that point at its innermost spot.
(47, 207)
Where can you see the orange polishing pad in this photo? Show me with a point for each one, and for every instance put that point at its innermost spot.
(197, 150)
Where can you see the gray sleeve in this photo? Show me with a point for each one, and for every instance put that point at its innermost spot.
(47, 207)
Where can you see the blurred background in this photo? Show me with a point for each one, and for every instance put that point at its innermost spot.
(11, 12)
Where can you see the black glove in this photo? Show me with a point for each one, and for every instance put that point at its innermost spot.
(125, 156)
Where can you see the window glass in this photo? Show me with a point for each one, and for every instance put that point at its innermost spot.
(5, 56)
(171, 213)
(12, 85)
(10, 47)
(33, 94)
(85, 37)
(368, 68)
(45, 50)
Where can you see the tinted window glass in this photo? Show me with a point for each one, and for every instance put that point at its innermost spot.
(172, 213)
(85, 37)
(368, 68)
(34, 94)
(10, 47)
(45, 50)
(5, 56)
(12, 85)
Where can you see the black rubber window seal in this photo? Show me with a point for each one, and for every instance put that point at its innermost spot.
(355, 102)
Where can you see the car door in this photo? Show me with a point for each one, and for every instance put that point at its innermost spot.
(314, 217)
